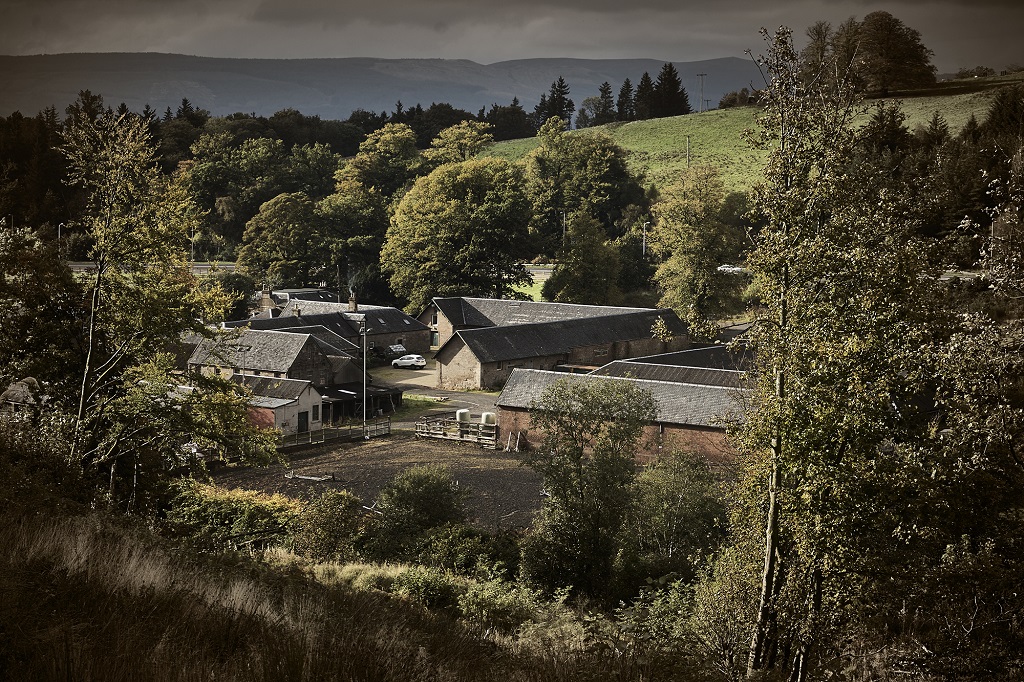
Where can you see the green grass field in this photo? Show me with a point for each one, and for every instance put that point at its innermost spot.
(658, 148)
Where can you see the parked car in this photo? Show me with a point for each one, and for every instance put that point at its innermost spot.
(409, 361)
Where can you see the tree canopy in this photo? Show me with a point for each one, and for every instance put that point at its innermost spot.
(460, 231)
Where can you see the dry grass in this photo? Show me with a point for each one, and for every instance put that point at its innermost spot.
(84, 598)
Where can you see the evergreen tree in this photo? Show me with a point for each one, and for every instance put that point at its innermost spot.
(624, 103)
(605, 112)
(643, 102)
(669, 97)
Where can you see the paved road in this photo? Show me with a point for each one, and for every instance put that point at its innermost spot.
(423, 382)
(197, 268)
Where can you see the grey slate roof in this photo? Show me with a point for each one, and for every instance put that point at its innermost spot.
(380, 319)
(267, 351)
(679, 404)
(490, 312)
(710, 357)
(681, 375)
(271, 387)
(514, 342)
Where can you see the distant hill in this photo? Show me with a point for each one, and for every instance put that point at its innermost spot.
(330, 88)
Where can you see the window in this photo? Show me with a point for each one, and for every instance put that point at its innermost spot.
(499, 367)
(433, 318)
(400, 341)
(316, 413)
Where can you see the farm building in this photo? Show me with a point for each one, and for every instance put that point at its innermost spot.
(485, 357)
(690, 416)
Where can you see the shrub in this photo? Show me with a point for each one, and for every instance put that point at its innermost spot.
(434, 588)
(215, 519)
(500, 605)
(467, 551)
(328, 527)
(415, 501)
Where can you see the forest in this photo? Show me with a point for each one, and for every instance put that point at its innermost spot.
(871, 527)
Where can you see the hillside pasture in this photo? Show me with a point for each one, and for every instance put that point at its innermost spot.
(657, 148)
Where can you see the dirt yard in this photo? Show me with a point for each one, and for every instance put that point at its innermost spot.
(503, 494)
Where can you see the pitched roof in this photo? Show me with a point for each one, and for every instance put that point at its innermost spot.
(491, 312)
(682, 404)
(271, 387)
(498, 344)
(710, 357)
(268, 351)
(680, 375)
(333, 322)
(379, 319)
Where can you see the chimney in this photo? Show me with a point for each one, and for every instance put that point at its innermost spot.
(353, 304)
(266, 300)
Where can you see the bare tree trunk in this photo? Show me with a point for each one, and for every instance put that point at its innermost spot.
(87, 369)
(769, 589)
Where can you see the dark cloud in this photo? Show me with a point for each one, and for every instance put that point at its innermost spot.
(960, 33)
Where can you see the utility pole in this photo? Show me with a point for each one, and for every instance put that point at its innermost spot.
(701, 76)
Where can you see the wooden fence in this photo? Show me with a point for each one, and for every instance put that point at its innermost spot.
(450, 428)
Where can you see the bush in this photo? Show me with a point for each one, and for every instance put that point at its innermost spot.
(328, 527)
(415, 501)
(214, 519)
(467, 551)
(500, 605)
(434, 588)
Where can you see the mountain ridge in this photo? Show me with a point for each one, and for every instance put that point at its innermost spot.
(331, 87)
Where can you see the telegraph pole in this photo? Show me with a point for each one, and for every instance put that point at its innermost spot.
(701, 106)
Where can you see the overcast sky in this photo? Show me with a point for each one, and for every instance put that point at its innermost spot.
(960, 32)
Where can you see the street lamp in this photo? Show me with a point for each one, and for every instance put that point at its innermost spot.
(363, 330)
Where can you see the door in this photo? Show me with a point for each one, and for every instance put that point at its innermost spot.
(303, 422)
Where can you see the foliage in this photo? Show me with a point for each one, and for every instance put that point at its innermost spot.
(694, 242)
(503, 606)
(415, 501)
(215, 519)
(328, 526)
(459, 231)
(459, 143)
(574, 172)
(850, 470)
(891, 55)
(587, 271)
(591, 432)
(675, 521)
(135, 421)
(669, 97)
(388, 160)
(278, 248)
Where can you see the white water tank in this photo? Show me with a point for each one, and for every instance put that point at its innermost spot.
(462, 415)
(488, 418)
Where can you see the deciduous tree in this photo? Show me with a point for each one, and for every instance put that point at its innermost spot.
(460, 231)
(591, 432)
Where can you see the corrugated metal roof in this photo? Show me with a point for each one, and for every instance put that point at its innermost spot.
(680, 404)
(514, 342)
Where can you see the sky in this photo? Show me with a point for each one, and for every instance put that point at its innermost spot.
(961, 33)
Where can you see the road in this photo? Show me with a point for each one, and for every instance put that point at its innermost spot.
(197, 268)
